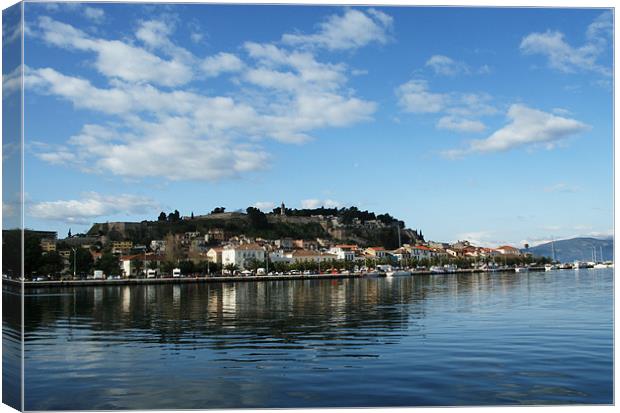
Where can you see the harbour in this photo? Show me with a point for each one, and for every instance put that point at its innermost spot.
(428, 340)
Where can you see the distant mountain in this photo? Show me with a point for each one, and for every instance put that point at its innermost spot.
(568, 250)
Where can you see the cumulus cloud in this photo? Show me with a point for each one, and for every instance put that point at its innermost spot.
(265, 205)
(221, 63)
(460, 125)
(415, 97)
(567, 58)
(117, 59)
(527, 127)
(91, 206)
(446, 66)
(351, 30)
(172, 148)
(95, 14)
(11, 82)
(164, 129)
(460, 110)
(317, 203)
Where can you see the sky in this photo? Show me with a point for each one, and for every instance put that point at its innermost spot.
(488, 124)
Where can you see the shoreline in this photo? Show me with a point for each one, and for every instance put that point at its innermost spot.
(223, 279)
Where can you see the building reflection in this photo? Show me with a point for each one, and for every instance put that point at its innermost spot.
(283, 310)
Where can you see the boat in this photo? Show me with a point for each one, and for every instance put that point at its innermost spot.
(374, 274)
(521, 269)
(437, 270)
(600, 265)
(397, 273)
(550, 267)
(450, 268)
(578, 264)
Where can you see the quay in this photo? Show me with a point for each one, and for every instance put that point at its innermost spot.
(220, 279)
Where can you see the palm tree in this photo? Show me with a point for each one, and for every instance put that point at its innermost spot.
(231, 268)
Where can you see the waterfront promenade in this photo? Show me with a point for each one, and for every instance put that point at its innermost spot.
(221, 279)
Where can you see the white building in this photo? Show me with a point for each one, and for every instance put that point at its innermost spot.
(299, 256)
(242, 254)
(420, 252)
(344, 252)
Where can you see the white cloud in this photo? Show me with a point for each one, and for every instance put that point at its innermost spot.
(457, 108)
(178, 134)
(351, 30)
(117, 59)
(11, 82)
(317, 203)
(173, 148)
(446, 66)
(566, 58)
(10, 33)
(95, 14)
(91, 206)
(415, 97)
(220, 63)
(460, 125)
(154, 33)
(265, 205)
(482, 238)
(8, 210)
(527, 127)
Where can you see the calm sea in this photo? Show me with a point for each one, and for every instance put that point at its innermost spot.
(441, 340)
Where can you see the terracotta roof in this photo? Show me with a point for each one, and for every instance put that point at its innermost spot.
(305, 253)
(246, 247)
(506, 247)
(377, 248)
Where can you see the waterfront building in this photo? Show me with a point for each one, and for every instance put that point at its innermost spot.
(280, 256)
(421, 252)
(214, 255)
(344, 252)
(376, 252)
(401, 254)
(242, 254)
(299, 256)
(134, 265)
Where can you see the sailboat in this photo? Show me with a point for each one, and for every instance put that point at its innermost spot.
(552, 266)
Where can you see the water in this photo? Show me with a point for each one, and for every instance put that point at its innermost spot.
(440, 340)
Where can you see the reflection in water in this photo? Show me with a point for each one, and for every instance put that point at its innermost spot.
(537, 338)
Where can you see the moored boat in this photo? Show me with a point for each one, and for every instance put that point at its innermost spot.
(397, 273)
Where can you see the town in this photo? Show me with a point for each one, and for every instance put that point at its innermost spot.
(330, 240)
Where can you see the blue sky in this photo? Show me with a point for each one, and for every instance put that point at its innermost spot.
(493, 125)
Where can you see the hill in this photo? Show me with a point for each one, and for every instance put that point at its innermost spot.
(569, 250)
(343, 225)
